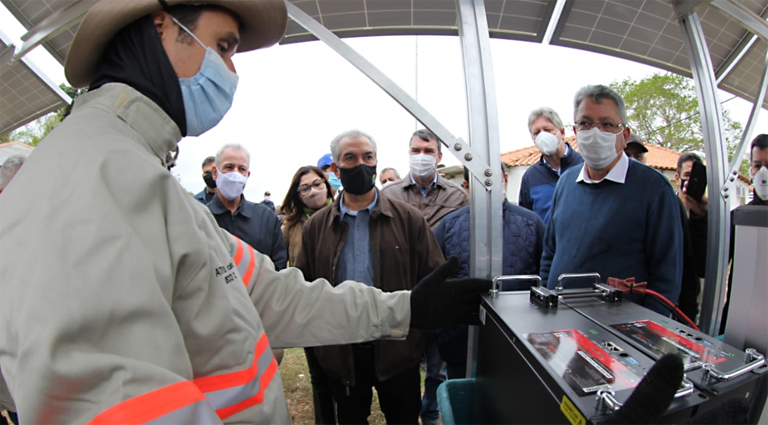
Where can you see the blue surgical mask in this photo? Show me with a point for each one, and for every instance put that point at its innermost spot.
(208, 94)
(334, 181)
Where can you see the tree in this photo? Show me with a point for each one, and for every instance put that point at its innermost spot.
(36, 131)
(663, 109)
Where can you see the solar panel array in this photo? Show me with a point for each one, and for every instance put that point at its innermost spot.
(645, 31)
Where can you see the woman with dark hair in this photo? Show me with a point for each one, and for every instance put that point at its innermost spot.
(309, 192)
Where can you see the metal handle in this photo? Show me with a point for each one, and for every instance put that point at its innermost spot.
(686, 389)
(573, 276)
(606, 399)
(755, 359)
(495, 285)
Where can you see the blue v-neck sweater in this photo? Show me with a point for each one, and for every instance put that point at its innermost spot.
(618, 230)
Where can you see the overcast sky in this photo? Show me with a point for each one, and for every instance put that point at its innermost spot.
(292, 100)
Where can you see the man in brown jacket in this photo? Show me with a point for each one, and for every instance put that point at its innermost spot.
(423, 187)
(383, 243)
(435, 197)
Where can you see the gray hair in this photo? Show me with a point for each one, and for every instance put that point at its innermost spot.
(349, 133)
(597, 93)
(9, 169)
(388, 169)
(547, 113)
(232, 146)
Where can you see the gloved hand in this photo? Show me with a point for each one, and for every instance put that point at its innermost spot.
(437, 302)
(653, 395)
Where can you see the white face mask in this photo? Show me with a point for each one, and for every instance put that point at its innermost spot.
(760, 182)
(231, 185)
(597, 147)
(547, 142)
(423, 165)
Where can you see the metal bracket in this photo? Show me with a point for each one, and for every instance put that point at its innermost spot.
(6, 58)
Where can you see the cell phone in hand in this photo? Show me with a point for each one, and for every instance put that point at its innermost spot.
(697, 183)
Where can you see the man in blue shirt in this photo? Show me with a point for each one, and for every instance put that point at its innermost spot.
(613, 216)
(368, 237)
(539, 181)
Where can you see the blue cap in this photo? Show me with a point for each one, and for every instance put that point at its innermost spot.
(324, 161)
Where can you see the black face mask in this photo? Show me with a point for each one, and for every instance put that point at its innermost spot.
(209, 181)
(359, 179)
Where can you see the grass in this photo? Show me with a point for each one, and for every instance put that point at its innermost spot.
(298, 390)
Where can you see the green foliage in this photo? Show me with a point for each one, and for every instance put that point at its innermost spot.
(663, 109)
(36, 131)
(73, 93)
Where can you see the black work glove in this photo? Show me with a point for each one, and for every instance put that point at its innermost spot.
(653, 395)
(437, 302)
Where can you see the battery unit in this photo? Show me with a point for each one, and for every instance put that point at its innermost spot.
(580, 358)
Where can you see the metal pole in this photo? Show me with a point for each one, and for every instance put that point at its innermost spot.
(486, 206)
(715, 147)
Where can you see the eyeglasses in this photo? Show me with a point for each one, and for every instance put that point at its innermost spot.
(317, 184)
(607, 127)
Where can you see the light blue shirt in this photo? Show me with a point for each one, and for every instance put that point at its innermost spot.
(424, 190)
(356, 260)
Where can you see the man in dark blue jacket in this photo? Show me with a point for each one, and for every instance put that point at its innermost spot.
(523, 240)
(539, 181)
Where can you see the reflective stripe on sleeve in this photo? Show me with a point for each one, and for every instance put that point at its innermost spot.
(181, 402)
(245, 260)
(233, 392)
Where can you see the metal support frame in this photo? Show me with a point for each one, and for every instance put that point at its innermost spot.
(486, 206)
(482, 157)
(757, 25)
(458, 147)
(717, 167)
(48, 28)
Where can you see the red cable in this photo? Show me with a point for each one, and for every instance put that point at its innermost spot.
(676, 311)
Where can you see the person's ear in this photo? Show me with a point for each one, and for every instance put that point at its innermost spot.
(215, 172)
(335, 169)
(161, 20)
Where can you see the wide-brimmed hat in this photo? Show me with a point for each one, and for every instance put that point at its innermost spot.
(262, 24)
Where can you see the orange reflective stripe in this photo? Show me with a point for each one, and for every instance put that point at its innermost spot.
(251, 266)
(266, 379)
(152, 405)
(239, 252)
(233, 379)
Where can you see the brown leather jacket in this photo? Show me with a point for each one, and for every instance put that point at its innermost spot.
(404, 251)
(441, 200)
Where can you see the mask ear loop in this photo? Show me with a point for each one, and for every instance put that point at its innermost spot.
(176, 21)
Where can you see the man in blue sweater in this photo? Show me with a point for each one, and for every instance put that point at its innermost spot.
(613, 216)
(539, 181)
(523, 237)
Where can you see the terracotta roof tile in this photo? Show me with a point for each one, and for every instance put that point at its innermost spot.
(657, 157)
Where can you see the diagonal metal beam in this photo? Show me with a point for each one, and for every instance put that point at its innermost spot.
(744, 17)
(458, 147)
(746, 135)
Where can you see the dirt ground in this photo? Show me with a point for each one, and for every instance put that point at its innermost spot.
(298, 390)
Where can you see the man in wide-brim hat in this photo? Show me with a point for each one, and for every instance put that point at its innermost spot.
(122, 300)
